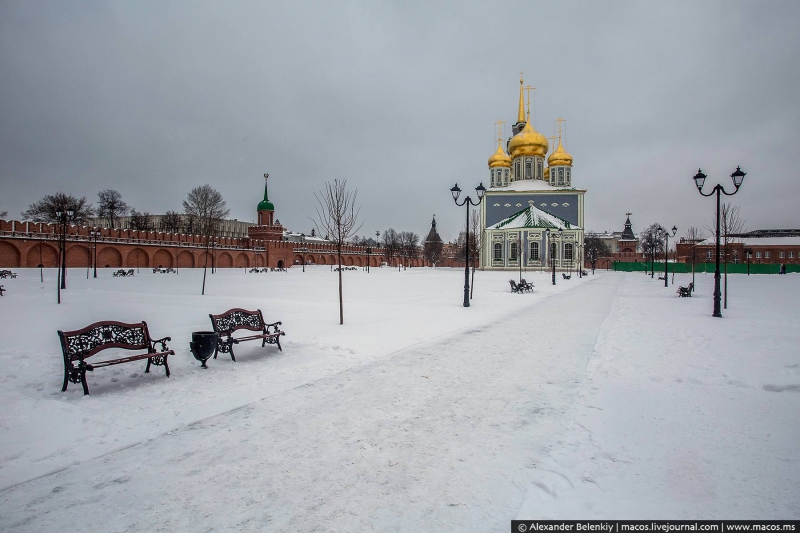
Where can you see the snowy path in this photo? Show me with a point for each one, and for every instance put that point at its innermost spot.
(443, 436)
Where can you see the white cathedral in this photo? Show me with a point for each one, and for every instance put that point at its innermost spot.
(531, 212)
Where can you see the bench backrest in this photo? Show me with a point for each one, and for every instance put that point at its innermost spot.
(235, 319)
(86, 342)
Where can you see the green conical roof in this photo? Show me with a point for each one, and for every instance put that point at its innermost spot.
(265, 204)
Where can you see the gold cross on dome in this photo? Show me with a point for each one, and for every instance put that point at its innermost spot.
(500, 124)
(529, 89)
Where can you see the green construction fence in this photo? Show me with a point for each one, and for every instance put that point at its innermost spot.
(684, 268)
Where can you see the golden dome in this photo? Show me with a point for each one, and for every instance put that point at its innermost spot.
(500, 157)
(528, 142)
(547, 174)
(559, 157)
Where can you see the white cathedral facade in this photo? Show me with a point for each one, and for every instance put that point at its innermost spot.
(531, 212)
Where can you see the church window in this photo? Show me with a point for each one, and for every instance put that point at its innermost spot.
(568, 252)
(517, 171)
(534, 251)
(498, 251)
(539, 169)
(561, 176)
(569, 176)
(513, 255)
(528, 167)
(492, 174)
(505, 172)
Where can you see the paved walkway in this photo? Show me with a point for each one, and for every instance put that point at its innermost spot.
(435, 438)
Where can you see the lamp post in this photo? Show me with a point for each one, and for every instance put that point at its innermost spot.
(519, 255)
(41, 266)
(666, 251)
(552, 246)
(95, 233)
(480, 190)
(699, 180)
(749, 252)
(579, 262)
(369, 252)
(303, 249)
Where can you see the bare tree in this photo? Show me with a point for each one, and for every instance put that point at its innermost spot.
(205, 207)
(476, 243)
(46, 209)
(141, 221)
(111, 206)
(652, 244)
(337, 216)
(694, 236)
(171, 222)
(730, 222)
(3, 214)
(391, 244)
(409, 243)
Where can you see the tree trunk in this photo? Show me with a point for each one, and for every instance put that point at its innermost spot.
(341, 305)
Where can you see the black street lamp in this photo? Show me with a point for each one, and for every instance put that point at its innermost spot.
(553, 250)
(699, 180)
(666, 250)
(749, 252)
(480, 190)
(519, 255)
(579, 262)
(369, 252)
(303, 249)
(95, 233)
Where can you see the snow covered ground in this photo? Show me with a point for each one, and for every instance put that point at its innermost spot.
(606, 397)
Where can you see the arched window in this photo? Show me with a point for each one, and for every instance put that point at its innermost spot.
(517, 172)
(506, 176)
(534, 251)
(568, 251)
(561, 176)
(528, 169)
(493, 178)
(569, 177)
(498, 251)
(539, 174)
(513, 254)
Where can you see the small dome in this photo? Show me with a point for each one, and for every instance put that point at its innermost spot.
(499, 158)
(560, 157)
(265, 205)
(528, 142)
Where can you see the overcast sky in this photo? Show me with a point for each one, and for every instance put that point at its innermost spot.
(399, 98)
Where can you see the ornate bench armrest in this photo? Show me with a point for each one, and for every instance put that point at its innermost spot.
(274, 326)
(163, 343)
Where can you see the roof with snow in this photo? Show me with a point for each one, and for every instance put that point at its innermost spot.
(533, 217)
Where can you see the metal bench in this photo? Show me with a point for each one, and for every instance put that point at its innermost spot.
(81, 344)
(235, 319)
